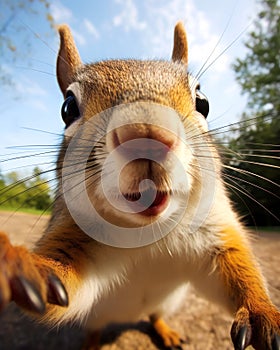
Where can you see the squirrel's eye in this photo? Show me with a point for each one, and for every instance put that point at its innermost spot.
(69, 110)
(201, 103)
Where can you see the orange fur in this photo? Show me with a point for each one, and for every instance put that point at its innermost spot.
(180, 51)
(169, 336)
(68, 59)
(246, 287)
(17, 261)
(239, 270)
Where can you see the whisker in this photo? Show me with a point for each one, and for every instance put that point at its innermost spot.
(225, 50)
(248, 195)
(42, 62)
(258, 155)
(249, 173)
(228, 176)
(38, 36)
(216, 45)
(31, 146)
(232, 127)
(259, 150)
(35, 70)
(262, 144)
(27, 156)
(26, 166)
(42, 131)
(236, 193)
(259, 163)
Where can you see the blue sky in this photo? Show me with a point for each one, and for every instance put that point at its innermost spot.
(116, 29)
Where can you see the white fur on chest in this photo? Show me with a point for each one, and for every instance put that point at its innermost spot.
(122, 285)
(147, 285)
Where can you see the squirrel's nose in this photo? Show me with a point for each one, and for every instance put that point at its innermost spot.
(143, 141)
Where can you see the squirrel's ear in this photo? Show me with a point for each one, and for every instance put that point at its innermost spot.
(68, 59)
(180, 48)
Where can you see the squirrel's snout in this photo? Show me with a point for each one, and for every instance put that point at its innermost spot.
(143, 141)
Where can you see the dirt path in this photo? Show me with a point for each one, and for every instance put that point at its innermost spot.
(205, 325)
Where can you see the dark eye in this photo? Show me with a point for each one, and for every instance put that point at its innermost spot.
(69, 110)
(201, 103)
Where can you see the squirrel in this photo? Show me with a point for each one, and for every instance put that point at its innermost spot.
(141, 209)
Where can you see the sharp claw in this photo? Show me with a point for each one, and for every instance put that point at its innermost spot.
(178, 347)
(26, 294)
(57, 293)
(240, 342)
(275, 344)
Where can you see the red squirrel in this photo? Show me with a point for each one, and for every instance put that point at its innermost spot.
(141, 209)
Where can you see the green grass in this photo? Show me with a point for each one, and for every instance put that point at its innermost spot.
(25, 210)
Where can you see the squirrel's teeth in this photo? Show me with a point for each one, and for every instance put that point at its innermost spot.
(135, 196)
(132, 197)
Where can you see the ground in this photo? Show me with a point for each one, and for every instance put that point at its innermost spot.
(204, 325)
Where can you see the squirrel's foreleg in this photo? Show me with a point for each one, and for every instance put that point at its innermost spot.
(257, 321)
(33, 279)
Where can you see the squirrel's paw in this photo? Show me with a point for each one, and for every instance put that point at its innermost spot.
(259, 329)
(27, 280)
(170, 338)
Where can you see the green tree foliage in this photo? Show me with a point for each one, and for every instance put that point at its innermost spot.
(39, 192)
(32, 192)
(256, 146)
(2, 181)
(259, 72)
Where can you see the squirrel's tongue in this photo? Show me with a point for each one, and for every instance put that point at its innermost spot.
(160, 196)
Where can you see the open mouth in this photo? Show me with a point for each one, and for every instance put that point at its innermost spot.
(150, 202)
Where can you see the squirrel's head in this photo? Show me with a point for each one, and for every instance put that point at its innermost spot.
(133, 128)
(121, 78)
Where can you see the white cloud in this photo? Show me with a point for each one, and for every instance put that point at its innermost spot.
(160, 19)
(60, 13)
(91, 28)
(79, 38)
(32, 91)
(29, 88)
(39, 105)
(165, 14)
(128, 17)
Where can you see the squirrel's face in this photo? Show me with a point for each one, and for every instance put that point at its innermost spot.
(134, 130)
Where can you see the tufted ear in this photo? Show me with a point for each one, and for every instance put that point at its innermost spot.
(180, 48)
(68, 59)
